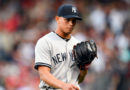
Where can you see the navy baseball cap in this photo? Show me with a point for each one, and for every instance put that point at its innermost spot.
(69, 11)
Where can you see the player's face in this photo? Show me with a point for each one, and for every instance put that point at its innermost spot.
(66, 25)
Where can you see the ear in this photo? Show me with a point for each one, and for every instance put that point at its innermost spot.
(56, 18)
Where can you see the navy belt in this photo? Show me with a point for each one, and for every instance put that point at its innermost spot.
(49, 88)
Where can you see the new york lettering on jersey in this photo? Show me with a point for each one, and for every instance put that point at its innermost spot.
(60, 57)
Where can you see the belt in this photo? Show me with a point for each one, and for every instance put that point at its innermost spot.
(49, 88)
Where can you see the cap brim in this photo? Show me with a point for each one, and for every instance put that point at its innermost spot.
(73, 16)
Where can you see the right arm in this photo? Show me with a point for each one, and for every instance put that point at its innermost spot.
(48, 78)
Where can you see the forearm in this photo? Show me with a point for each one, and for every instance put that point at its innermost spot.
(48, 78)
(82, 75)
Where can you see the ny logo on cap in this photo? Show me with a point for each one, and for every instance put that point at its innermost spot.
(74, 9)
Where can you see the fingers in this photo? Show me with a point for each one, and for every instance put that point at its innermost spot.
(75, 87)
(70, 87)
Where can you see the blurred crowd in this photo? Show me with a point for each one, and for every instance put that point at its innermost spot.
(23, 22)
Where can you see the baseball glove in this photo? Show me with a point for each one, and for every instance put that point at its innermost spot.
(84, 53)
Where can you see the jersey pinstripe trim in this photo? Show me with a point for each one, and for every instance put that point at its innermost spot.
(41, 64)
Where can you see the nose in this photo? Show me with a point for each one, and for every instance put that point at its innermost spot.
(72, 22)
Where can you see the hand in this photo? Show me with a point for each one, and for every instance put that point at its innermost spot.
(69, 87)
(84, 53)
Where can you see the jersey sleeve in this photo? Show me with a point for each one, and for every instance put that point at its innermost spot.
(42, 54)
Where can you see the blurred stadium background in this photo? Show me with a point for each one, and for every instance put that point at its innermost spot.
(23, 22)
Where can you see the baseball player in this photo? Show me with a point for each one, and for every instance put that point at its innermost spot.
(53, 54)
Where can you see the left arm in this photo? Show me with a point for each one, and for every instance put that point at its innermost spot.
(82, 75)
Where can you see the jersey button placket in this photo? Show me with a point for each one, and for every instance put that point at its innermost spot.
(66, 60)
(67, 64)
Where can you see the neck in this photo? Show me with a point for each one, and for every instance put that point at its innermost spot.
(63, 34)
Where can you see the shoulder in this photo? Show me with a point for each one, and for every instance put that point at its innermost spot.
(44, 41)
(46, 37)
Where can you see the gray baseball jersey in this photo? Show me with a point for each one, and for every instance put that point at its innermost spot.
(56, 53)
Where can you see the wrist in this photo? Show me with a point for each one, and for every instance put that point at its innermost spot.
(86, 67)
(62, 85)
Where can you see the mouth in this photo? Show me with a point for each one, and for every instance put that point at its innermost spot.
(70, 28)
